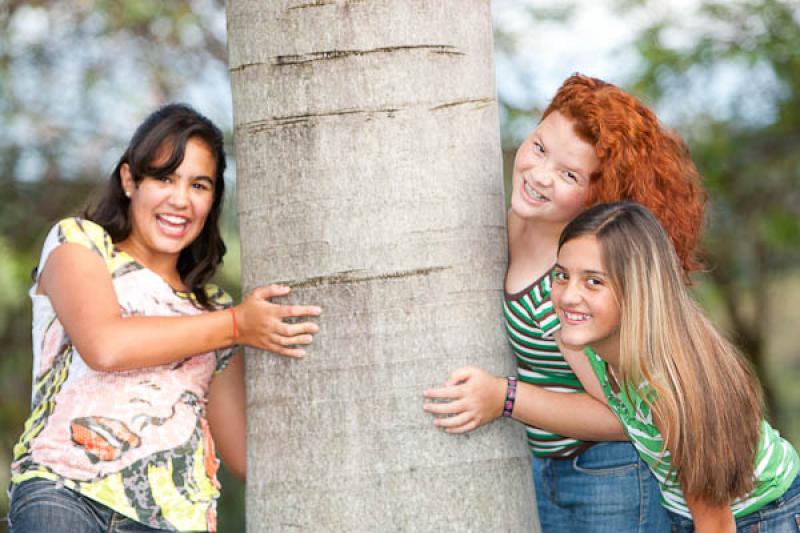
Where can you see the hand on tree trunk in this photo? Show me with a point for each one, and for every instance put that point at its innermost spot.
(473, 397)
(261, 323)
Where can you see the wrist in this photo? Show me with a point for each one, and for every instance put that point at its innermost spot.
(234, 331)
(510, 396)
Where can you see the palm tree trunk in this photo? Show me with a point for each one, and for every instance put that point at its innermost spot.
(369, 179)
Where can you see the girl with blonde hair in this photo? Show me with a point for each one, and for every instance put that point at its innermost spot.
(687, 399)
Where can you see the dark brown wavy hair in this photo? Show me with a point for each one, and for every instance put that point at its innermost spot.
(640, 159)
(169, 127)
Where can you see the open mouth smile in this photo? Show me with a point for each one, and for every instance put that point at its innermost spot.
(572, 316)
(173, 225)
(533, 193)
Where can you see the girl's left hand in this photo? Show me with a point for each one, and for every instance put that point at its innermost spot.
(474, 397)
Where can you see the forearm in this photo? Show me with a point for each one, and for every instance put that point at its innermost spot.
(473, 397)
(107, 341)
(576, 415)
(125, 343)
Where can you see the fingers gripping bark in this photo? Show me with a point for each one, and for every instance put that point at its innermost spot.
(262, 323)
(470, 398)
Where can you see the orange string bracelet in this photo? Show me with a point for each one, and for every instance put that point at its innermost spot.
(235, 326)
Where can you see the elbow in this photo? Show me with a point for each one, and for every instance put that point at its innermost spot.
(101, 357)
(619, 436)
(235, 462)
(233, 459)
(239, 471)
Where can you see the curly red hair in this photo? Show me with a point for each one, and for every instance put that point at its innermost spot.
(640, 159)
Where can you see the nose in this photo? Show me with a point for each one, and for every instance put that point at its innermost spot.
(543, 175)
(566, 294)
(179, 195)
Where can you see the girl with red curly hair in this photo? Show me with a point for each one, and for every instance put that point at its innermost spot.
(595, 143)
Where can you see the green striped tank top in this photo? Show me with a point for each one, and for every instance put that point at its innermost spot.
(776, 464)
(531, 322)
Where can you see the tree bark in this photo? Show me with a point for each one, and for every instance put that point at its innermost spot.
(369, 180)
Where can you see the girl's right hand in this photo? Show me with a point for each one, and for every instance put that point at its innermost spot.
(261, 323)
(470, 398)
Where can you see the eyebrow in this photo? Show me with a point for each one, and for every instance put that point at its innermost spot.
(572, 168)
(195, 178)
(584, 272)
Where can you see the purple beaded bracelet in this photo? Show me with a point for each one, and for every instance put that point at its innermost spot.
(511, 395)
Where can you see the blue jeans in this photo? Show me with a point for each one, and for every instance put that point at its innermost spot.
(606, 489)
(39, 505)
(780, 516)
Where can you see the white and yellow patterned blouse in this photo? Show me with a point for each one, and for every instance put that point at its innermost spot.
(136, 441)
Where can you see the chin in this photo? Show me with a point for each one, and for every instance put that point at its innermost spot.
(173, 247)
(574, 344)
(520, 207)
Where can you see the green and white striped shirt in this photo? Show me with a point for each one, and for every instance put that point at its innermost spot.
(776, 464)
(531, 322)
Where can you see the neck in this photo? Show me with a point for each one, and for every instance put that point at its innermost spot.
(542, 231)
(532, 250)
(535, 235)
(166, 265)
(609, 353)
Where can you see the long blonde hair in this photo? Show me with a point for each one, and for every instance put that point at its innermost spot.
(708, 401)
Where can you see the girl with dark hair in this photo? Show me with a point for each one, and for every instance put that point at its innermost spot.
(687, 399)
(130, 339)
(594, 143)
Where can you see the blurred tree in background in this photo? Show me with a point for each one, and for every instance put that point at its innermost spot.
(747, 146)
(76, 76)
(726, 75)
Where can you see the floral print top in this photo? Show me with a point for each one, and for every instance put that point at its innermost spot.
(136, 441)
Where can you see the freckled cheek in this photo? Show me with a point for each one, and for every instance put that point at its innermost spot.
(516, 176)
(522, 160)
(575, 200)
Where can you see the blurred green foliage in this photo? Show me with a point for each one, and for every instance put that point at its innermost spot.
(748, 149)
(77, 75)
(726, 75)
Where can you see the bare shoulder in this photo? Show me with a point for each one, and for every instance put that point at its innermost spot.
(74, 276)
(69, 264)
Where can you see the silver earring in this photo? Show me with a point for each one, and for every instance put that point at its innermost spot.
(128, 194)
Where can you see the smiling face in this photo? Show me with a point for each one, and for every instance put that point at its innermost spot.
(167, 213)
(552, 171)
(584, 299)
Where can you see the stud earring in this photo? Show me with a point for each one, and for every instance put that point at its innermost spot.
(128, 194)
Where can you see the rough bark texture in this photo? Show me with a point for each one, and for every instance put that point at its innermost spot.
(369, 179)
